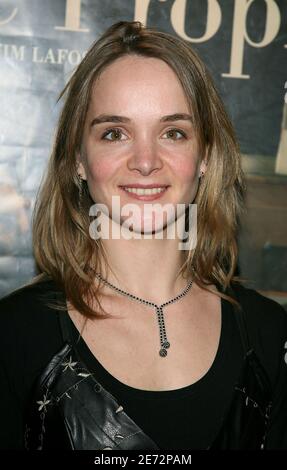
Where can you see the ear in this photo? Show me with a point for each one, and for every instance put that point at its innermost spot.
(203, 167)
(80, 167)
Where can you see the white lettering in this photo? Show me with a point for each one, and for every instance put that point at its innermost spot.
(178, 16)
(74, 57)
(240, 35)
(141, 10)
(10, 18)
(35, 56)
(12, 51)
(50, 57)
(72, 18)
(62, 55)
(57, 56)
(17, 52)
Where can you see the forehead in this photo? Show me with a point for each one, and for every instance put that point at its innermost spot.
(138, 83)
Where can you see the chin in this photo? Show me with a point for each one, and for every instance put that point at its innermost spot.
(148, 227)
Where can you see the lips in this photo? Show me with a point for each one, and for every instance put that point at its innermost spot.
(144, 186)
(140, 188)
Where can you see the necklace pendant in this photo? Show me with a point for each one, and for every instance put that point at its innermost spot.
(163, 352)
(159, 310)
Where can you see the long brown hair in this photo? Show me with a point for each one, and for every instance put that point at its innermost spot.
(63, 248)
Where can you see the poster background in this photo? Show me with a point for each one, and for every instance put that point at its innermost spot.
(41, 41)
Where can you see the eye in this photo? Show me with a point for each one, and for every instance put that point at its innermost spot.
(115, 133)
(173, 134)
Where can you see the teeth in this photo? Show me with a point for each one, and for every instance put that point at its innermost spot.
(143, 192)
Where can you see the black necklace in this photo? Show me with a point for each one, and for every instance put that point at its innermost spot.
(159, 310)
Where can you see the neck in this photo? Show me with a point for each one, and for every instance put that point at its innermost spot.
(147, 268)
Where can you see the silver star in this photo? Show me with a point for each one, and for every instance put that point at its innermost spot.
(43, 403)
(69, 365)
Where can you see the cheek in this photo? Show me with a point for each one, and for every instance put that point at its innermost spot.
(100, 172)
(185, 163)
(186, 170)
(99, 167)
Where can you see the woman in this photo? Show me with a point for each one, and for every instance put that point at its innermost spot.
(141, 340)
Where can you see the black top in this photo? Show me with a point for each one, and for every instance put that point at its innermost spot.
(186, 418)
(204, 402)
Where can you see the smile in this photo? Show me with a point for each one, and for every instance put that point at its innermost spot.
(142, 191)
(145, 193)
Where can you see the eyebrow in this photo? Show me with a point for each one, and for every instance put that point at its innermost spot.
(113, 118)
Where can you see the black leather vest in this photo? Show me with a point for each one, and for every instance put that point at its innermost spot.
(71, 410)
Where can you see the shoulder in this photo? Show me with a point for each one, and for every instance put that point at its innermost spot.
(266, 322)
(28, 301)
(28, 291)
(28, 323)
(30, 336)
(258, 308)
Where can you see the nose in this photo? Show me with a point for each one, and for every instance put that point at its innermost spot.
(145, 157)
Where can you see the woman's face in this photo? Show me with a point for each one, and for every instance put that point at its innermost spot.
(138, 131)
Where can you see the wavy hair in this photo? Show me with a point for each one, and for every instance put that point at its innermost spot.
(63, 248)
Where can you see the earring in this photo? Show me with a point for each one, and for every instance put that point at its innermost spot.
(201, 174)
(80, 182)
